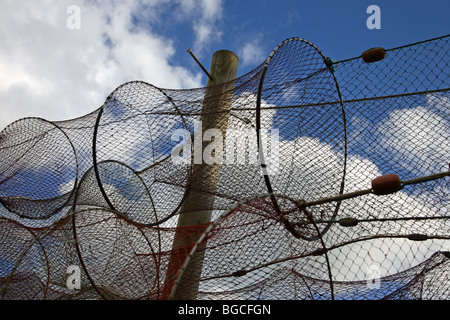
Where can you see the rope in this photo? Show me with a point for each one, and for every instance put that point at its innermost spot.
(304, 204)
(395, 48)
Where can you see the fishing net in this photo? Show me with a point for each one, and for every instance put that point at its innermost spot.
(319, 179)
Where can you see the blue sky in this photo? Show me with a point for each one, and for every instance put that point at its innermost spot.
(338, 28)
(57, 73)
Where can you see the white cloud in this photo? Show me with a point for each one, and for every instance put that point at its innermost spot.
(53, 72)
(205, 25)
(439, 104)
(212, 9)
(418, 138)
(252, 53)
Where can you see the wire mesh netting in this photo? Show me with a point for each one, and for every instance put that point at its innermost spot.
(321, 180)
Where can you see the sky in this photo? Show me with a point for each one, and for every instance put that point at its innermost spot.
(60, 59)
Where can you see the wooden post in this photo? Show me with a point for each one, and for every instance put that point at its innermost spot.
(196, 211)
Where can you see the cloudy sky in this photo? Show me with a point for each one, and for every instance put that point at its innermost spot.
(61, 59)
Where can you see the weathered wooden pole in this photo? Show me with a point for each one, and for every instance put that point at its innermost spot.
(195, 213)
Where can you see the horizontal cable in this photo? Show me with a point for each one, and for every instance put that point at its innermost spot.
(304, 204)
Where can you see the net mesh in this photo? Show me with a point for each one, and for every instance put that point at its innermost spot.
(90, 206)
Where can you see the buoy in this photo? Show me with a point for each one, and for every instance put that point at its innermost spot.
(386, 184)
(417, 237)
(348, 222)
(373, 55)
(318, 252)
(239, 273)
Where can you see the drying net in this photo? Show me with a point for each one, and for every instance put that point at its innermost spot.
(314, 178)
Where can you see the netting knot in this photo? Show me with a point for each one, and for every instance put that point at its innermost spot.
(329, 64)
(300, 203)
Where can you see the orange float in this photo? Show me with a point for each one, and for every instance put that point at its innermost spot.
(373, 55)
(386, 184)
